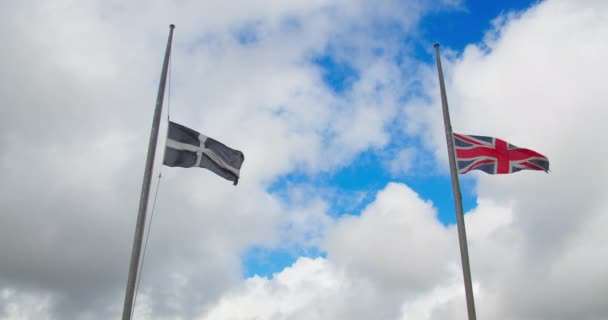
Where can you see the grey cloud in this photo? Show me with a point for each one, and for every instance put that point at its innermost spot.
(78, 86)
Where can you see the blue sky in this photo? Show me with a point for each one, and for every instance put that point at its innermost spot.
(356, 185)
(456, 29)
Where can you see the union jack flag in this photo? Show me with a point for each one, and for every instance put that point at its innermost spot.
(495, 156)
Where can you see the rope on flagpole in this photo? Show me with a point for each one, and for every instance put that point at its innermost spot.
(160, 175)
(143, 255)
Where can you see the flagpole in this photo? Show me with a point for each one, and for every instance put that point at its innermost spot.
(145, 189)
(462, 234)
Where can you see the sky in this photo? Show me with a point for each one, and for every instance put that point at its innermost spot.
(344, 207)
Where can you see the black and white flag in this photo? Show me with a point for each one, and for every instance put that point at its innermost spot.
(187, 148)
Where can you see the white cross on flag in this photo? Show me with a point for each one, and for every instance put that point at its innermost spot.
(187, 148)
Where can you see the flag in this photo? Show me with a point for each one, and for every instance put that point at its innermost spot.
(495, 156)
(187, 148)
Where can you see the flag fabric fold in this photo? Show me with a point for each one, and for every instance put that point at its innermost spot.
(495, 156)
(187, 148)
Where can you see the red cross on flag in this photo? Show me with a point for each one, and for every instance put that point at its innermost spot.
(495, 156)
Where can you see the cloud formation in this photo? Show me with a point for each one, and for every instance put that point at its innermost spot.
(534, 238)
(79, 84)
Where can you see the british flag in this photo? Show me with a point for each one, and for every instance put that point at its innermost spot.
(495, 156)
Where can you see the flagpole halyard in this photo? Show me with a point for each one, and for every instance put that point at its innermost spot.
(462, 235)
(145, 189)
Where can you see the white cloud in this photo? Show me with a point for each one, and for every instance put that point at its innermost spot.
(393, 251)
(298, 292)
(15, 305)
(389, 242)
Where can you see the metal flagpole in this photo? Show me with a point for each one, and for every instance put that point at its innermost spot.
(462, 234)
(145, 188)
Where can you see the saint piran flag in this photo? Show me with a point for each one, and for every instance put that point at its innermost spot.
(187, 148)
(495, 156)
